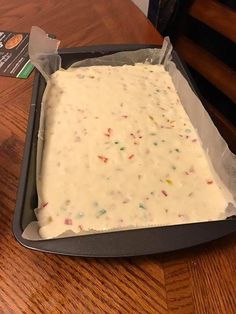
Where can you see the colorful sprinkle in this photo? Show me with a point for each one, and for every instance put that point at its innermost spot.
(68, 221)
(101, 212)
(125, 201)
(132, 134)
(131, 156)
(177, 150)
(122, 148)
(209, 181)
(103, 158)
(155, 143)
(109, 131)
(169, 181)
(141, 205)
(164, 192)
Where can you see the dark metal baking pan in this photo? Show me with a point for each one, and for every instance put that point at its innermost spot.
(111, 244)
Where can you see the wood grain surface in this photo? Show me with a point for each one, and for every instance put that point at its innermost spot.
(197, 280)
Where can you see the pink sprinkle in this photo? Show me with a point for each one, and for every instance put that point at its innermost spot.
(44, 205)
(194, 140)
(68, 221)
(164, 192)
(124, 116)
(209, 181)
(131, 156)
(103, 158)
(186, 172)
(109, 131)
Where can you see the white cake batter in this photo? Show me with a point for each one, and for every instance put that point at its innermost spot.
(120, 152)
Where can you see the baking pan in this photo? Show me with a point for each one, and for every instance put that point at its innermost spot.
(110, 244)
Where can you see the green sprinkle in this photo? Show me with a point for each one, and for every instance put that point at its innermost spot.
(151, 117)
(173, 167)
(122, 148)
(153, 134)
(155, 143)
(177, 150)
(116, 142)
(142, 206)
(79, 215)
(101, 212)
(188, 131)
(152, 193)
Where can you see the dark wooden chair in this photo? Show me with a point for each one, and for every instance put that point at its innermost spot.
(204, 34)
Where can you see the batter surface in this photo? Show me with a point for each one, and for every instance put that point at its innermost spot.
(120, 152)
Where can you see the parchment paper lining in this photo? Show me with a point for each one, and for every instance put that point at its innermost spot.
(43, 54)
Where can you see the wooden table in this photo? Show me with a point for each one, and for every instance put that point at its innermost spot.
(198, 280)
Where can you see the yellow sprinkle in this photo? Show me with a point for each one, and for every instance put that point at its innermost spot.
(169, 181)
